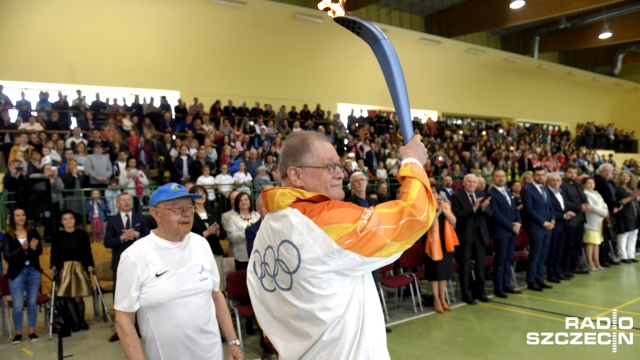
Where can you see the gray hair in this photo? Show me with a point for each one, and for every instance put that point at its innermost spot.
(603, 167)
(469, 174)
(297, 150)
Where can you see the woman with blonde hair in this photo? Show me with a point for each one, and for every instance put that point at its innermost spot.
(627, 217)
(526, 178)
(593, 227)
(439, 245)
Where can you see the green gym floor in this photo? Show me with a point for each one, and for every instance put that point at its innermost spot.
(495, 330)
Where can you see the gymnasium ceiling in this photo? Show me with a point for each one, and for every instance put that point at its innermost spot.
(568, 29)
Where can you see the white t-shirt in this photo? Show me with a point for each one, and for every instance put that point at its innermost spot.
(240, 178)
(225, 182)
(208, 182)
(169, 285)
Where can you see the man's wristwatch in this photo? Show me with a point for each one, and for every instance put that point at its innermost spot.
(235, 342)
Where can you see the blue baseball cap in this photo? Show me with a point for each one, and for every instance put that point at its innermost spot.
(170, 191)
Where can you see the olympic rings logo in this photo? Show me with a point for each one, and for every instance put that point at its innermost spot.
(273, 272)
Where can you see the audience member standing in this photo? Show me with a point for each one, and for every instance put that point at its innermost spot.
(506, 224)
(593, 227)
(439, 246)
(562, 215)
(22, 250)
(471, 209)
(241, 218)
(576, 201)
(447, 189)
(71, 257)
(539, 219)
(607, 189)
(208, 224)
(98, 167)
(627, 217)
(122, 231)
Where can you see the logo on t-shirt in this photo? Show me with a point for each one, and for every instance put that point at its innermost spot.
(204, 274)
(162, 273)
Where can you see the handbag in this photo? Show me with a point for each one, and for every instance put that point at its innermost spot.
(607, 230)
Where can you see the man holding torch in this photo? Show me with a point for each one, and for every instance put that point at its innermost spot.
(309, 274)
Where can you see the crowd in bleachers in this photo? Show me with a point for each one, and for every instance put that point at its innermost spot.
(117, 148)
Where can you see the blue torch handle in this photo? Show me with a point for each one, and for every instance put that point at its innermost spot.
(390, 65)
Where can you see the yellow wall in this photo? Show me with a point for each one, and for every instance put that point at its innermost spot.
(262, 53)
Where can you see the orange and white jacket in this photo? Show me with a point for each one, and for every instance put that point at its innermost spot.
(309, 275)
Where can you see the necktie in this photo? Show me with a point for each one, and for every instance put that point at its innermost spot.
(504, 192)
(127, 225)
(544, 194)
(473, 199)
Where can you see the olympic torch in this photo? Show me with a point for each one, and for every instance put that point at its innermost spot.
(387, 58)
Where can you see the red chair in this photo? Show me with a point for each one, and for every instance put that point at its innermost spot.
(412, 259)
(396, 282)
(42, 301)
(521, 253)
(238, 294)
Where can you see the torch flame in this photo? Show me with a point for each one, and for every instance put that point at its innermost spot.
(335, 9)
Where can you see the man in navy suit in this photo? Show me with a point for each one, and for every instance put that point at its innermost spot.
(506, 224)
(123, 229)
(539, 221)
(447, 189)
(560, 205)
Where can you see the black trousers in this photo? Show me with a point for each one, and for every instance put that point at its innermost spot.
(554, 258)
(472, 249)
(572, 247)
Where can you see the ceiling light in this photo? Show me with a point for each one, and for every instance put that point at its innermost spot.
(429, 41)
(230, 3)
(516, 4)
(605, 33)
(308, 17)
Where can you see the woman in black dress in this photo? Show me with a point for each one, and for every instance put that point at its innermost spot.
(208, 224)
(71, 258)
(439, 245)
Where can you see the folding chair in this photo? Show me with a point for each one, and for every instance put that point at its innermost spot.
(237, 294)
(412, 259)
(6, 317)
(397, 282)
(522, 255)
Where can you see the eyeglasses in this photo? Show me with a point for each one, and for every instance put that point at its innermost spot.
(180, 210)
(332, 168)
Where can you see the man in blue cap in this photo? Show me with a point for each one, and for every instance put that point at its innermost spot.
(170, 280)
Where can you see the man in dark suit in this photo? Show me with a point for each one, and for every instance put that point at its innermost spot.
(472, 210)
(524, 163)
(563, 214)
(505, 227)
(371, 159)
(538, 222)
(576, 201)
(122, 231)
(447, 189)
(167, 124)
